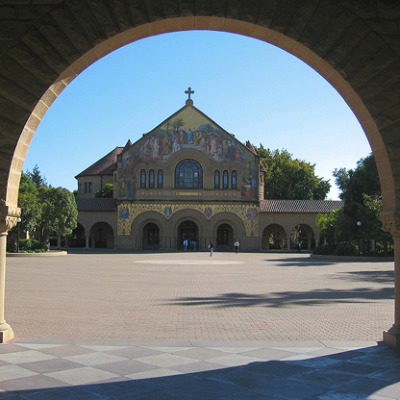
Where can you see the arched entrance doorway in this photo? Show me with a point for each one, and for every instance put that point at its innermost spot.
(36, 68)
(302, 237)
(101, 236)
(274, 238)
(151, 236)
(77, 237)
(188, 231)
(225, 238)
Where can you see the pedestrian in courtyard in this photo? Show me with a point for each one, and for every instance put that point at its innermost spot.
(236, 246)
(211, 247)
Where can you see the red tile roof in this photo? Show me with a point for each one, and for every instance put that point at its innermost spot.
(100, 204)
(104, 166)
(300, 206)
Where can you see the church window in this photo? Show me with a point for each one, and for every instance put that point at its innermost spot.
(188, 175)
(151, 179)
(160, 179)
(225, 179)
(217, 183)
(143, 179)
(234, 180)
(85, 187)
(90, 187)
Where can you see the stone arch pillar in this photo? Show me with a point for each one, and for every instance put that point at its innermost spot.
(391, 223)
(8, 219)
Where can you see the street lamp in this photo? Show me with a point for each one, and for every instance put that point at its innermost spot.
(18, 221)
(359, 223)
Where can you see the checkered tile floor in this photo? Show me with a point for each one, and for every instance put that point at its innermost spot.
(313, 370)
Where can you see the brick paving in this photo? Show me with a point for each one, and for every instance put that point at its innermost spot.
(191, 296)
(184, 326)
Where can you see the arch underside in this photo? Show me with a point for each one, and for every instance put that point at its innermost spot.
(352, 45)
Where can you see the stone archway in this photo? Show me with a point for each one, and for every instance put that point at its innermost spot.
(274, 238)
(77, 237)
(151, 236)
(188, 235)
(353, 45)
(225, 238)
(302, 237)
(101, 236)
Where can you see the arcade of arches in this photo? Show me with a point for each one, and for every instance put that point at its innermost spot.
(352, 44)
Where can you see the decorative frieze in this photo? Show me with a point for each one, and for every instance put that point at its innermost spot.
(391, 222)
(8, 216)
(127, 212)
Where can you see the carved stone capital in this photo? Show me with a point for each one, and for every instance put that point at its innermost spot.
(8, 216)
(391, 222)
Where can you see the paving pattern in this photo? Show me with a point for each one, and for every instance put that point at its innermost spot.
(223, 371)
(174, 326)
(191, 296)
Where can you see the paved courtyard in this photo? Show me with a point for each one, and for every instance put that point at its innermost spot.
(189, 327)
(191, 296)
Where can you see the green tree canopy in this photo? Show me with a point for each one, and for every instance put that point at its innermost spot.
(287, 178)
(59, 212)
(358, 221)
(106, 192)
(36, 177)
(28, 202)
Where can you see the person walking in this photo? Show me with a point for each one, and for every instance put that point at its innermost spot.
(211, 247)
(236, 246)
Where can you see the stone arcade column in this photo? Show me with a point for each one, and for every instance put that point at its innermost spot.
(8, 219)
(391, 223)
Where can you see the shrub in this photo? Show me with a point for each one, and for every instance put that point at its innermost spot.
(346, 249)
(32, 246)
(324, 249)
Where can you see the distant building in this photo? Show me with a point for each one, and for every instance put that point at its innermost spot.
(189, 179)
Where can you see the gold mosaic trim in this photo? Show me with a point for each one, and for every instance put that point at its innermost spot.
(128, 212)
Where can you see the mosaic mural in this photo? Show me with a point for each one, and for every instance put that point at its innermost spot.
(187, 129)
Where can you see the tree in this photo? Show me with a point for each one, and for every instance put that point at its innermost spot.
(290, 179)
(59, 213)
(106, 192)
(358, 221)
(36, 177)
(29, 204)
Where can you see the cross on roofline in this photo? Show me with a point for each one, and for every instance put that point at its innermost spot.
(189, 101)
(189, 92)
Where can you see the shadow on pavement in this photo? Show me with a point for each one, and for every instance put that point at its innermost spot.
(367, 276)
(289, 298)
(355, 374)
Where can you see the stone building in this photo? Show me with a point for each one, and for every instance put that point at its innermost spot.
(189, 180)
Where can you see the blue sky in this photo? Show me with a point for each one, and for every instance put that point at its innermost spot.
(252, 89)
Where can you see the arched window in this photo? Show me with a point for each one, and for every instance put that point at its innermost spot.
(225, 179)
(151, 179)
(234, 180)
(160, 179)
(217, 180)
(143, 179)
(188, 175)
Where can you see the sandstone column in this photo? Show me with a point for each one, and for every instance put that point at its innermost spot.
(8, 219)
(391, 223)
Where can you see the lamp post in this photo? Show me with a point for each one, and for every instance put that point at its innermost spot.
(18, 221)
(359, 223)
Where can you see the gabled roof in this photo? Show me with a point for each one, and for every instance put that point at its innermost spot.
(300, 206)
(192, 110)
(104, 166)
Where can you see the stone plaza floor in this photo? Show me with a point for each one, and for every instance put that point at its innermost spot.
(187, 326)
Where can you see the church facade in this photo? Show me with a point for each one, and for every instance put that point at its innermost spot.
(185, 183)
